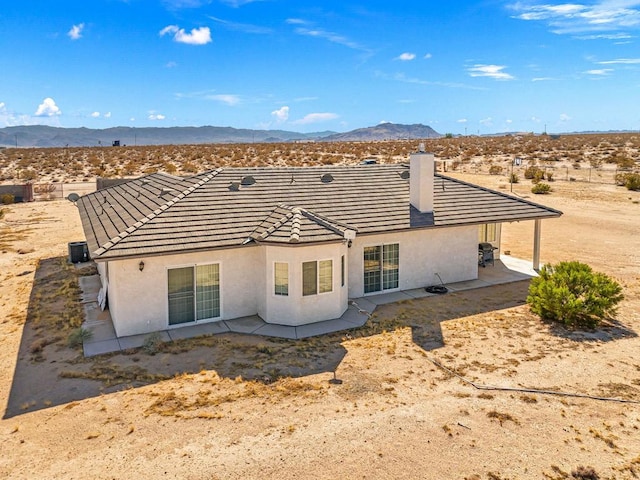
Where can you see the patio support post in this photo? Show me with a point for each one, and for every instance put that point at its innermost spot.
(536, 245)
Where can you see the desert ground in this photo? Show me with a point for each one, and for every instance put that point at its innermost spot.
(233, 406)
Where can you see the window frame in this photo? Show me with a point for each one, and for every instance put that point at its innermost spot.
(194, 293)
(284, 288)
(381, 275)
(317, 289)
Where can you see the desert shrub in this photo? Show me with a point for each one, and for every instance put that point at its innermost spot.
(28, 174)
(495, 170)
(7, 199)
(585, 473)
(533, 172)
(549, 175)
(541, 188)
(573, 294)
(152, 344)
(78, 336)
(632, 181)
(513, 178)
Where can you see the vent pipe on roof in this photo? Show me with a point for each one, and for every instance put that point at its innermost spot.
(421, 180)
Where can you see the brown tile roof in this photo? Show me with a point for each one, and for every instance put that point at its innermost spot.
(231, 207)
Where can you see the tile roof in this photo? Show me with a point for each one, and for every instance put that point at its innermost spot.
(231, 207)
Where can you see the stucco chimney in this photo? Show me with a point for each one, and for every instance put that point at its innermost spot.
(421, 180)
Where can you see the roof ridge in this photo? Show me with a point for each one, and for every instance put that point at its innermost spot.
(147, 218)
(284, 219)
(327, 222)
(496, 192)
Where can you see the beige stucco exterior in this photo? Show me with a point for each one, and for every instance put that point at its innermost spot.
(138, 300)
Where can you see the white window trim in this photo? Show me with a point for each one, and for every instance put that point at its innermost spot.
(333, 276)
(273, 279)
(166, 293)
(378, 292)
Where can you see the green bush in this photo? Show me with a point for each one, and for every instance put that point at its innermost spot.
(495, 170)
(152, 344)
(573, 294)
(632, 182)
(541, 188)
(7, 199)
(533, 172)
(513, 178)
(78, 336)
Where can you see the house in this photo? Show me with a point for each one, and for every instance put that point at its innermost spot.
(291, 245)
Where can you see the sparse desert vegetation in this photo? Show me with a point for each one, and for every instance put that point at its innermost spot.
(233, 406)
(603, 156)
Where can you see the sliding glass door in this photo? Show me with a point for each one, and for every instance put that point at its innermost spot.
(381, 267)
(194, 293)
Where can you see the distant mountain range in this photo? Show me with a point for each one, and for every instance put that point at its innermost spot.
(45, 136)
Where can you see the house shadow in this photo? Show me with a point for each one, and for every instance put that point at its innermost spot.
(425, 315)
(49, 373)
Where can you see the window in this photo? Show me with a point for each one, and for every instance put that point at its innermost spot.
(194, 293)
(317, 277)
(488, 232)
(281, 278)
(326, 276)
(309, 278)
(381, 267)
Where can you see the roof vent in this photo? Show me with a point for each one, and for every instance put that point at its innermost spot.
(248, 180)
(326, 178)
(165, 191)
(404, 174)
(234, 186)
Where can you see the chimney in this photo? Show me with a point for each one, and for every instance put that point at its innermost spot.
(421, 180)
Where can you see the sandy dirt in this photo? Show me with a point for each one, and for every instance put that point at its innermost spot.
(192, 410)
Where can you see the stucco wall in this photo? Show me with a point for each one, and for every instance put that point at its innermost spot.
(450, 252)
(296, 309)
(138, 300)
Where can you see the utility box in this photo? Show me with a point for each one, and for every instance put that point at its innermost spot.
(78, 252)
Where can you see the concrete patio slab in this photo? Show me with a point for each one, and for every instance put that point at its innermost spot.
(419, 293)
(245, 324)
(322, 328)
(392, 297)
(135, 341)
(191, 331)
(281, 331)
(101, 347)
(363, 304)
(89, 286)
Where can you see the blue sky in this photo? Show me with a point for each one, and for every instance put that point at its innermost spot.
(459, 66)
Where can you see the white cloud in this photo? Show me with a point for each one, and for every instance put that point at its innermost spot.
(228, 99)
(47, 108)
(282, 114)
(599, 71)
(95, 114)
(575, 18)
(320, 33)
(427, 56)
(564, 117)
(487, 122)
(198, 36)
(171, 65)
(76, 31)
(621, 61)
(242, 27)
(107, 115)
(491, 71)
(316, 118)
(406, 56)
(463, 120)
(156, 116)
